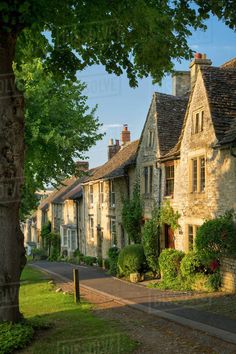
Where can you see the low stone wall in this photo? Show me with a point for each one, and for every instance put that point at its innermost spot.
(228, 274)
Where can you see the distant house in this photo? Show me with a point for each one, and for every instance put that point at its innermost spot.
(104, 193)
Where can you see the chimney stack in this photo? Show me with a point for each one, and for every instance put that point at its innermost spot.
(180, 83)
(113, 148)
(200, 60)
(125, 135)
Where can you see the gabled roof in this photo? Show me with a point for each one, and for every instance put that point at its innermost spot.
(220, 85)
(170, 116)
(116, 166)
(56, 195)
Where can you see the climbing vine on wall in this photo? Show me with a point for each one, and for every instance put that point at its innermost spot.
(132, 213)
(169, 216)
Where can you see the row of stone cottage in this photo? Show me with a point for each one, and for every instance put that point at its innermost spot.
(186, 154)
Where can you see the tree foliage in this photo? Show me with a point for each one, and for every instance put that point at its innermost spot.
(59, 128)
(132, 215)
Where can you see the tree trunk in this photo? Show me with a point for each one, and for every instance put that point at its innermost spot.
(12, 254)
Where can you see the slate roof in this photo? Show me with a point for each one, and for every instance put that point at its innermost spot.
(220, 84)
(170, 116)
(229, 64)
(115, 167)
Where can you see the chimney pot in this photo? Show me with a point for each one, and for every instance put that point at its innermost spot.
(125, 135)
(113, 148)
(197, 55)
(117, 142)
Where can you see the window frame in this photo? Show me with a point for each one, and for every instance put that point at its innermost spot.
(170, 178)
(197, 175)
(91, 195)
(148, 172)
(101, 193)
(91, 227)
(198, 121)
(112, 194)
(113, 233)
(193, 234)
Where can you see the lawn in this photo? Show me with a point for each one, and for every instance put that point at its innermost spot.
(73, 328)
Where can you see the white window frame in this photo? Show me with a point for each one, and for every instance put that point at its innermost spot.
(91, 227)
(112, 194)
(91, 195)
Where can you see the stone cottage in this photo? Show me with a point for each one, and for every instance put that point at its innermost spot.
(160, 134)
(203, 160)
(104, 193)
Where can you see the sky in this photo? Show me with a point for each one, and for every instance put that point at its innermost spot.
(120, 104)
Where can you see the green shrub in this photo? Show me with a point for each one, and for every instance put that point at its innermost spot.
(169, 262)
(150, 237)
(214, 281)
(216, 238)
(14, 336)
(78, 256)
(39, 254)
(131, 260)
(113, 254)
(99, 261)
(106, 263)
(190, 264)
(89, 260)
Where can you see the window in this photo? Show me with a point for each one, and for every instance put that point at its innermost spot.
(202, 174)
(101, 185)
(195, 179)
(197, 125)
(170, 179)
(65, 237)
(91, 227)
(113, 231)
(148, 179)
(192, 231)
(73, 240)
(198, 173)
(150, 138)
(112, 194)
(91, 195)
(190, 237)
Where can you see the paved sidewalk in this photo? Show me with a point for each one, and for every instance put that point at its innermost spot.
(153, 301)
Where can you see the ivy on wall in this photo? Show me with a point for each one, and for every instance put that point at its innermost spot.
(132, 216)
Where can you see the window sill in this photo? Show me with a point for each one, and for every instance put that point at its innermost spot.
(169, 196)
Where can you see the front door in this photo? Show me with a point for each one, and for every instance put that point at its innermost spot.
(169, 237)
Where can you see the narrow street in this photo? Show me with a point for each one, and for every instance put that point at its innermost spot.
(149, 301)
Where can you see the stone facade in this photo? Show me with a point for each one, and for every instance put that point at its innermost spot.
(102, 217)
(219, 193)
(146, 159)
(228, 274)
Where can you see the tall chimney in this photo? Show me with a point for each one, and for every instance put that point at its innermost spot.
(180, 83)
(125, 135)
(113, 148)
(199, 61)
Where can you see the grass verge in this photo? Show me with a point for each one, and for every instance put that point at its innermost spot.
(71, 327)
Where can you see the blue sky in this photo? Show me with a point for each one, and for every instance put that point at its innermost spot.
(119, 104)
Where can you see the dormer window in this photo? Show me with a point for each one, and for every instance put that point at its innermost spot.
(197, 126)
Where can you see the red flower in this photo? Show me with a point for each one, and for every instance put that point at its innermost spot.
(214, 265)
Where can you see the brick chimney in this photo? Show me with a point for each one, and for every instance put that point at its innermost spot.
(125, 135)
(180, 83)
(199, 61)
(113, 148)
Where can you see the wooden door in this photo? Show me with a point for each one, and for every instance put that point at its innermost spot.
(169, 237)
